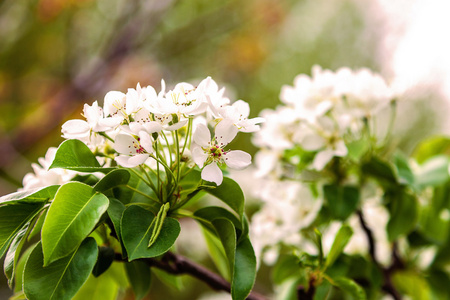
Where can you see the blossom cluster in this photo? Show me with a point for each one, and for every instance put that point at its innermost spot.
(322, 114)
(320, 118)
(143, 127)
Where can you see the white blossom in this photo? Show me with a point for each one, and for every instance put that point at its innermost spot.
(133, 152)
(289, 206)
(43, 176)
(207, 153)
(95, 122)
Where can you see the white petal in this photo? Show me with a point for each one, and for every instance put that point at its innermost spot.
(204, 85)
(265, 162)
(146, 141)
(131, 161)
(75, 127)
(312, 142)
(150, 93)
(225, 132)
(198, 155)
(132, 102)
(176, 125)
(165, 105)
(340, 149)
(124, 144)
(133, 128)
(163, 88)
(92, 113)
(237, 159)
(138, 159)
(323, 107)
(212, 173)
(322, 158)
(242, 107)
(111, 122)
(211, 105)
(202, 136)
(249, 125)
(112, 100)
(142, 115)
(152, 127)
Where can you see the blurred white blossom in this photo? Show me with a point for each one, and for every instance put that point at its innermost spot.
(43, 176)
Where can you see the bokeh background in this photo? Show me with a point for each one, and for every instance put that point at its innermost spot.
(56, 55)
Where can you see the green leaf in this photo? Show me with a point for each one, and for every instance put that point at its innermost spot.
(231, 194)
(191, 181)
(136, 191)
(37, 226)
(433, 227)
(323, 291)
(342, 200)
(72, 216)
(171, 280)
(432, 147)
(12, 256)
(288, 289)
(380, 170)
(18, 296)
(357, 149)
(412, 284)
(342, 237)
(63, 278)
(404, 211)
(105, 259)
(115, 212)
(39, 195)
(405, 174)
(431, 224)
(433, 172)
(439, 282)
(12, 219)
(136, 233)
(211, 213)
(351, 287)
(20, 267)
(286, 267)
(118, 274)
(113, 179)
(227, 235)
(244, 270)
(139, 276)
(217, 253)
(245, 229)
(103, 287)
(88, 179)
(75, 155)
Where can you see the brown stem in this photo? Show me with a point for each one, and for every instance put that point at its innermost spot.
(369, 236)
(307, 294)
(397, 264)
(177, 265)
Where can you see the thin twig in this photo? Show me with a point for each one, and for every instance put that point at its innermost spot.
(176, 264)
(370, 238)
(397, 264)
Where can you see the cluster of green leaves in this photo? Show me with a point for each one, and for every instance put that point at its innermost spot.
(81, 238)
(416, 194)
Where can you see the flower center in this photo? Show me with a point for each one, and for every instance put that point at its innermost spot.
(215, 153)
(139, 149)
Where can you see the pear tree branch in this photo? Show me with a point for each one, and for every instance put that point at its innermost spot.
(396, 264)
(176, 264)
